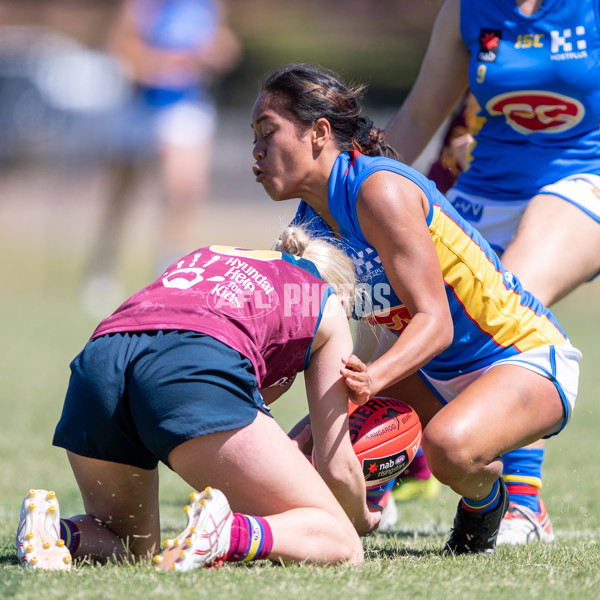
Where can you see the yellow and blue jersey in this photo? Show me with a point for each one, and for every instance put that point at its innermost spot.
(537, 82)
(493, 316)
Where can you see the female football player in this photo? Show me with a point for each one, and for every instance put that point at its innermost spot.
(532, 187)
(183, 372)
(485, 365)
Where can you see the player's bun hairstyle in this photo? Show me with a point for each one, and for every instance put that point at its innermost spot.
(333, 264)
(309, 92)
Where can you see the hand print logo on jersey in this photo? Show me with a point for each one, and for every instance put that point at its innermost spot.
(183, 278)
(530, 111)
(240, 290)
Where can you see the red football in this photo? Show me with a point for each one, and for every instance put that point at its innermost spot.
(385, 435)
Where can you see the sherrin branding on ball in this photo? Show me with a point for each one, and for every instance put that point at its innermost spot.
(385, 434)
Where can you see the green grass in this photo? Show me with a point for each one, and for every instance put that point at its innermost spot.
(43, 327)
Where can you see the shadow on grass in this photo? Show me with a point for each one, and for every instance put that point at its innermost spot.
(393, 552)
(394, 543)
(382, 545)
(9, 559)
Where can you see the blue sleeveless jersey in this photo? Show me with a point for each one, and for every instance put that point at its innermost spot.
(493, 316)
(178, 25)
(537, 81)
(183, 27)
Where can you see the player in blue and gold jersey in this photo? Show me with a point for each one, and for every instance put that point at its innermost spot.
(533, 67)
(485, 365)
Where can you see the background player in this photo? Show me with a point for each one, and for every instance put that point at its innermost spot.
(172, 51)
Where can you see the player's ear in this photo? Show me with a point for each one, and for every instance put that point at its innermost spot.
(321, 133)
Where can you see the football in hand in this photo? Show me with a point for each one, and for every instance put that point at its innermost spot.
(385, 434)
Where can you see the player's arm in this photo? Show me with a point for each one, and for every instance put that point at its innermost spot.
(328, 405)
(391, 212)
(301, 433)
(271, 394)
(222, 54)
(441, 82)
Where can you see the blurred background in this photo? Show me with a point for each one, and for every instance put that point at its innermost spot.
(86, 182)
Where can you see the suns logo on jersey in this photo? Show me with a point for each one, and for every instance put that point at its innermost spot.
(531, 111)
(395, 318)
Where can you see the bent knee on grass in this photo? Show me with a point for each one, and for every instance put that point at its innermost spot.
(316, 536)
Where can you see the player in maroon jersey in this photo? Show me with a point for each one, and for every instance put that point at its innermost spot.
(183, 373)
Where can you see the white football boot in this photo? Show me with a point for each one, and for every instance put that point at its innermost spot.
(522, 526)
(389, 514)
(205, 540)
(39, 545)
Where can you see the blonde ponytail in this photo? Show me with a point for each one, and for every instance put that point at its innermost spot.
(333, 264)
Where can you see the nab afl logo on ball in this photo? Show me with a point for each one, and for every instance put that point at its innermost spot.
(537, 112)
(385, 435)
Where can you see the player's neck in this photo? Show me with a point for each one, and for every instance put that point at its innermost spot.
(529, 7)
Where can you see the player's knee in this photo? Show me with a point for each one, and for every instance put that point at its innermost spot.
(449, 453)
(353, 552)
(349, 547)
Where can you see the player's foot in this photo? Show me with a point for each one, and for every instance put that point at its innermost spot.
(476, 532)
(410, 488)
(522, 526)
(416, 482)
(205, 540)
(39, 545)
(389, 515)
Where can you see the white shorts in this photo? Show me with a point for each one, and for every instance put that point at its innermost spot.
(497, 220)
(560, 364)
(186, 123)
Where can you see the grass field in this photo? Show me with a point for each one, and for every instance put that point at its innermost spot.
(44, 326)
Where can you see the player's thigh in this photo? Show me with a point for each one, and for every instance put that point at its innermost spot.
(186, 172)
(258, 467)
(506, 408)
(123, 497)
(555, 248)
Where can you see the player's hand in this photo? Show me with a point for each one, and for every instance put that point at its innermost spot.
(356, 376)
(372, 519)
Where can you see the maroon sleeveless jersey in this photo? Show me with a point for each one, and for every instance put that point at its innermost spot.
(266, 305)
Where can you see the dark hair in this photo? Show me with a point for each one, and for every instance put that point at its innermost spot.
(309, 92)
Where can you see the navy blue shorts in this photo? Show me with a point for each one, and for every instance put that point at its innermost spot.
(134, 397)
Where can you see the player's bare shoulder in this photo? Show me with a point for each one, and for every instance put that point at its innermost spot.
(334, 322)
